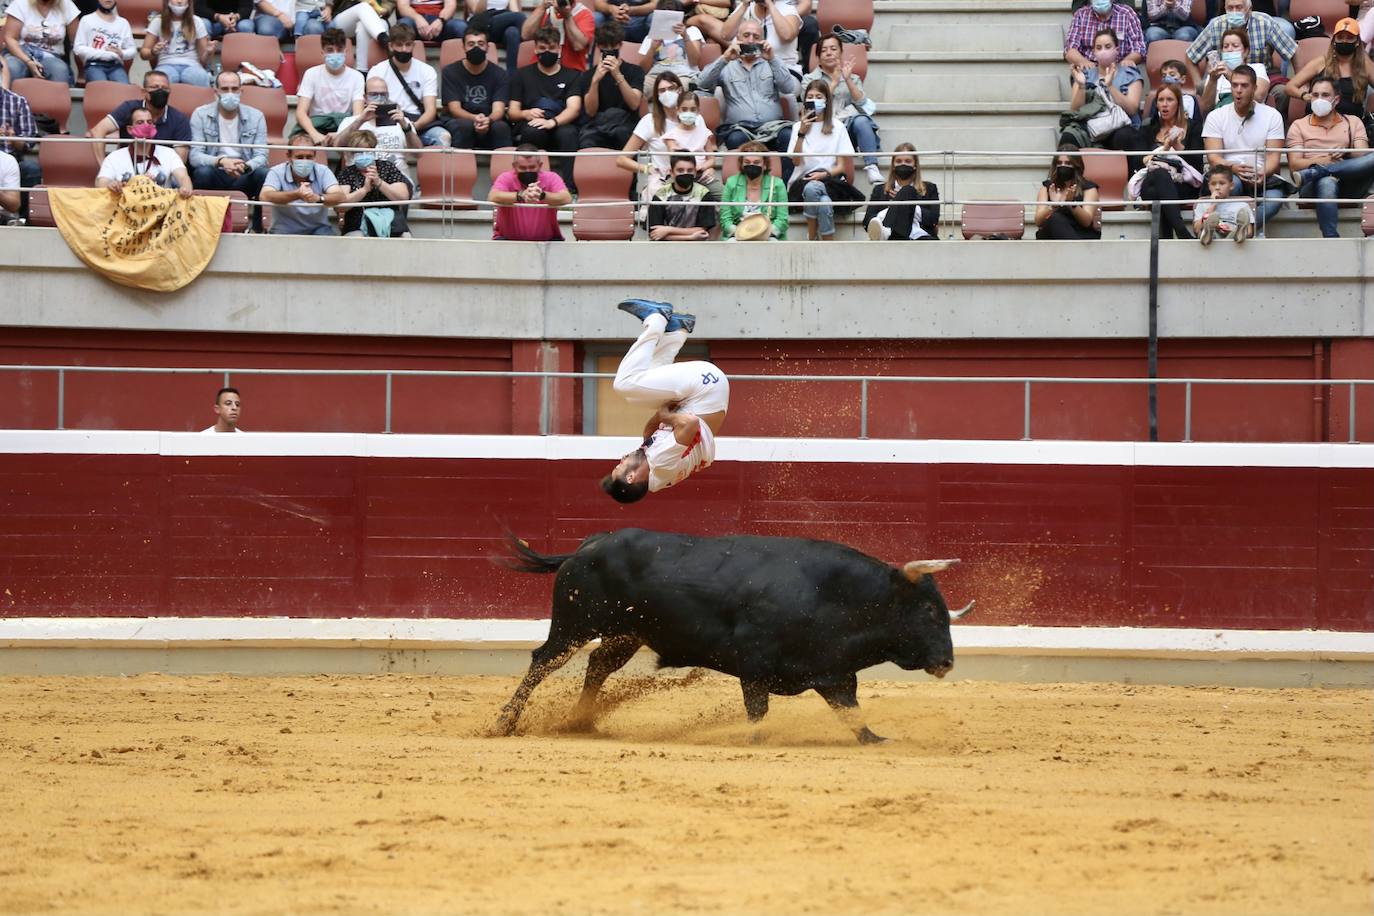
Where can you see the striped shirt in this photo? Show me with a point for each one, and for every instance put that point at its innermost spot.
(1265, 38)
(15, 114)
(1122, 20)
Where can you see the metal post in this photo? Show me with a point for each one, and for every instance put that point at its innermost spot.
(61, 399)
(388, 403)
(544, 405)
(1352, 413)
(863, 409)
(226, 379)
(1025, 419)
(1188, 412)
(1153, 354)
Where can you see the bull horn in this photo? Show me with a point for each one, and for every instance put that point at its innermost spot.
(955, 615)
(918, 568)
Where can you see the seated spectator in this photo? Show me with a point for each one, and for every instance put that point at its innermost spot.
(227, 121)
(1169, 19)
(611, 93)
(9, 178)
(1328, 176)
(1217, 214)
(540, 191)
(1175, 73)
(753, 83)
(680, 55)
(296, 17)
(1265, 37)
(572, 25)
(364, 20)
(394, 132)
(1091, 19)
(173, 126)
(499, 20)
(16, 120)
(781, 24)
(677, 214)
(1172, 171)
(37, 33)
(143, 157)
(329, 92)
(1248, 125)
(1216, 90)
(650, 134)
(373, 180)
(1079, 217)
(178, 44)
(104, 42)
(893, 212)
(754, 190)
(1347, 63)
(544, 103)
(412, 86)
(303, 191)
(434, 21)
(819, 147)
(1122, 83)
(225, 16)
(855, 108)
(633, 18)
(474, 95)
(691, 135)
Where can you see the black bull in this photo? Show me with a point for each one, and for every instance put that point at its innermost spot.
(783, 615)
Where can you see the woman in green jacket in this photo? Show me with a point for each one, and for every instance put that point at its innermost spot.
(754, 190)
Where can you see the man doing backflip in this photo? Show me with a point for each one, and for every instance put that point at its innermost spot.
(690, 399)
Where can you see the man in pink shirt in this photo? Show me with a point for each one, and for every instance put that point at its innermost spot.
(540, 192)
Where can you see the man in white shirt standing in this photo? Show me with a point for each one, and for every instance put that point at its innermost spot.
(227, 405)
(691, 398)
(1254, 133)
(143, 157)
(413, 85)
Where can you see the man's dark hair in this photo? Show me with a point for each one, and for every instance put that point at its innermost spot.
(682, 157)
(528, 149)
(400, 33)
(547, 36)
(223, 391)
(161, 73)
(609, 33)
(334, 38)
(134, 111)
(1244, 73)
(1221, 170)
(622, 491)
(477, 33)
(1322, 78)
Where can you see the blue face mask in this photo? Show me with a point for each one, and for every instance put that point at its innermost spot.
(303, 168)
(1232, 59)
(1172, 79)
(334, 60)
(1100, 7)
(229, 102)
(1235, 20)
(364, 160)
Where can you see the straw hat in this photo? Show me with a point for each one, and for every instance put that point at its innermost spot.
(753, 228)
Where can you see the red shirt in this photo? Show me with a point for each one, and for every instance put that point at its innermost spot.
(586, 23)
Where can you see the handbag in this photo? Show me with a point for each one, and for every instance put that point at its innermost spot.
(1113, 116)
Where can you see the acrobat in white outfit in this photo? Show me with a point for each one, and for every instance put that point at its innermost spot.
(690, 400)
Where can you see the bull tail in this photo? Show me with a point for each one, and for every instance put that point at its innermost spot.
(524, 558)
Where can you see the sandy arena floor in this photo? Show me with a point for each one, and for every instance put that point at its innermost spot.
(379, 795)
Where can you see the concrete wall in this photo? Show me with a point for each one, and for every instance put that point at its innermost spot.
(518, 291)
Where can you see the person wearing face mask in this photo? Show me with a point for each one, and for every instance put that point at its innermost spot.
(754, 190)
(173, 126)
(1235, 48)
(301, 191)
(1346, 62)
(572, 23)
(527, 199)
(855, 109)
(819, 147)
(752, 82)
(611, 93)
(1123, 83)
(412, 85)
(1327, 176)
(178, 43)
(36, 34)
(1265, 37)
(677, 214)
(218, 161)
(394, 133)
(475, 96)
(104, 42)
(372, 180)
(329, 92)
(691, 135)
(545, 104)
(650, 134)
(1066, 204)
(1090, 19)
(897, 210)
(143, 157)
(500, 21)
(1175, 73)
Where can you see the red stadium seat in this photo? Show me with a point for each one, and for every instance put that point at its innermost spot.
(186, 98)
(1366, 217)
(1309, 49)
(450, 174)
(1160, 51)
(272, 104)
(709, 52)
(67, 165)
(47, 97)
(526, 55)
(103, 97)
(138, 12)
(310, 53)
(986, 218)
(848, 14)
(238, 208)
(502, 160)
(1110, 175)
(40, 208)
(262, 51)
(855, 54)
(451, 51)
(600, 181)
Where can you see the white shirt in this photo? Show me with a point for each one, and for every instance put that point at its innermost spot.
(653, 142)
(693, 140)
(329, 92)
(178, 50)
(119, 165)
(390, 140)
(784, 51)
(103, 41)
(1263, 124)
(212, 429)
(421, 77)
(9, 172)
(229, 133)
(45, 31)
(671, 462)
(818, 149)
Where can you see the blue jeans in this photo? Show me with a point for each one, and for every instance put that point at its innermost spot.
(1346, 178)
(216, 29)
(109, 71)
(309, 23)
(505, 28)
(267, 25)
(454, 28)
(1177, 33)
(819, 207)
(54, 68)
(864, 134)
(435, 135)
(190, 74)
(1273, 202)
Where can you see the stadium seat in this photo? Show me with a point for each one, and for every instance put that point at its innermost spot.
(855, 54)
(710, 110)
(1366, 217)
(847, 14)
(450, 175)
(40, 208)
(238, 208)
(600, 181)
(526, 55)
(1329, 11)
(1110, 175)
(262, 51)
(186, 98)
(502, 159)
(272, 104)
(451, 51)
(67, 165)
(1160, 51)
(709, 52)
(1199, 13)
(47, 97)
(138, 12)
(1309, 49)
(103, 97)
(993, 217)
(629, 53)
(309, 53)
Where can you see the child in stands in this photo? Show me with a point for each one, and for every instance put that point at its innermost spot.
(1220, 215)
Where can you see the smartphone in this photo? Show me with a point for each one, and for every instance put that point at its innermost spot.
(384, 114)
(817, 105)
(1213, 58)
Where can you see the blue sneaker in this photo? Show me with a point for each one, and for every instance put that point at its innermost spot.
(643, 308)
(681, 321)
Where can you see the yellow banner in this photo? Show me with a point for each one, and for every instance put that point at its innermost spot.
(148, 237)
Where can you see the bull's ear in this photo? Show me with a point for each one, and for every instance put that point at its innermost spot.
(918, 568)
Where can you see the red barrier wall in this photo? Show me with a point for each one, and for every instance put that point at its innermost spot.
(139, 535)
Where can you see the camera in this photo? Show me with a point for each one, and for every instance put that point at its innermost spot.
(384, 114)
(749, 49)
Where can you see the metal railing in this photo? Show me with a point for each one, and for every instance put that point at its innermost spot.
(865, 382)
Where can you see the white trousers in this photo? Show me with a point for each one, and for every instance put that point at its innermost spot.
(362, 20)
(648, 376)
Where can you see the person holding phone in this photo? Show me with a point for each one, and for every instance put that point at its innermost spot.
(379, 118)
(752, 82)
(527, 199)
(1078, 217)
(820, 146)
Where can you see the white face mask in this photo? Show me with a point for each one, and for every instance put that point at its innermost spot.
(668, 97)
(687, 118)
(1321, 107)
(177, 10)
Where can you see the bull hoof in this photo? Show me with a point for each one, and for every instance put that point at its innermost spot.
(867, 737)
(504, 728)
(579, 725)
